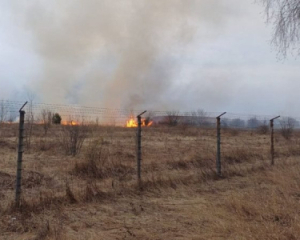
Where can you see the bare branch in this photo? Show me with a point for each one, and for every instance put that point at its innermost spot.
(285, 16)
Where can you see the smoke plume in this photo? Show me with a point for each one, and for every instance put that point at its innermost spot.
(117, 54)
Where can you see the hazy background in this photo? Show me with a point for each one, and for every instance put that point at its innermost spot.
(140, 54)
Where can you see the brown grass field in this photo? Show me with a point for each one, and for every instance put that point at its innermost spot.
(94, 194)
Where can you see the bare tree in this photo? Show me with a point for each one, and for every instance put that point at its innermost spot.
(263, 128)
(149, 117)
(287, 127)
(172, 118)
(72, 137)
(198, 117)
(46, 116)
(201, 117)
(29, 119)
(253, 123)
(237, 123)
(285, 16)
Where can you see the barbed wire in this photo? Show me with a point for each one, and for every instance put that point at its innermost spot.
(79, 113)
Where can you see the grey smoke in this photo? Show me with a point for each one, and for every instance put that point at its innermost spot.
(116, 53)
(138, 54)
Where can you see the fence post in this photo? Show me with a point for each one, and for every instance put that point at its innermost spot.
(139, 148)
(218, 162)
(20, 154)
(272, 139)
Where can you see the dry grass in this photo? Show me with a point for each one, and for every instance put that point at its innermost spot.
(94, 195)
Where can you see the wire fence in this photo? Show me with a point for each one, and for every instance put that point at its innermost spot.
(86, 148)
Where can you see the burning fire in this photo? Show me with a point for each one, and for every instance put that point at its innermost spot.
(133, 123)
(71, 123)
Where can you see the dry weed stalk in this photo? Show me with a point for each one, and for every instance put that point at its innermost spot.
(46, 120)
(72, 138)
(287, 127)
(263, 129)
(98, 163)
(95, 160)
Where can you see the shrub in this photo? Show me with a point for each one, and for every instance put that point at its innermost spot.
(253, 123)
(232, 131)
(95, 161)
(287, 127)
(172, 118)
(56, 119)
(72, 138)
(263, 129)
(98, 164)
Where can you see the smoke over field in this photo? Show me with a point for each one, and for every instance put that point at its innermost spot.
(118, 53)
(138, 54)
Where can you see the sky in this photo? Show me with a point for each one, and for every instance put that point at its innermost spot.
(139, 54)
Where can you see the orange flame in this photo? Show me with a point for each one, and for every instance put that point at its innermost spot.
(71, 123)
(133, 123)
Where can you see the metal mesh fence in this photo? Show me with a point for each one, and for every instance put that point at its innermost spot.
(97, 148)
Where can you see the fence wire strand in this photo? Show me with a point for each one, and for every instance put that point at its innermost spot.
(95, 145)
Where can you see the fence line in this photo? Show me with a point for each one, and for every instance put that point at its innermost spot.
(96, 144)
